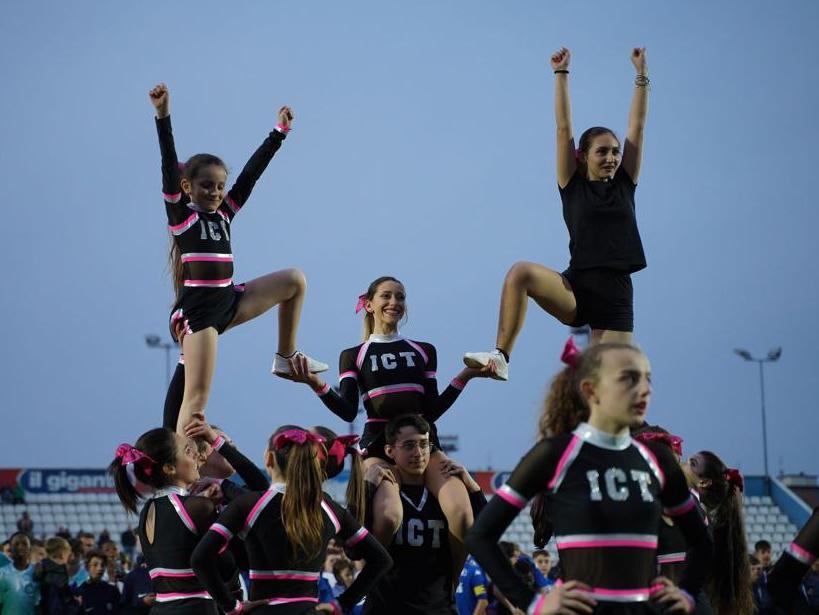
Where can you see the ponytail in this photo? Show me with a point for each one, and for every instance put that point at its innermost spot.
(729, 588)
(297, 455)
(137, 470)
(337, 449)
(356, 492)
(565, 407)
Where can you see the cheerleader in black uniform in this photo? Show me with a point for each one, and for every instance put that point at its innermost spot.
(597, 183)
(720, 489)
(604, 494)
(286, 530)
(394, 376)
(160, 468)
(793, 564)
(200, 212)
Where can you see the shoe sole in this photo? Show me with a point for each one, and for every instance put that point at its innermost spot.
(475, 364)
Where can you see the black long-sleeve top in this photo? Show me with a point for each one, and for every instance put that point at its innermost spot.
(274, 575)
(605, 495)
(203, 237)
(793, 564)
(392, 375)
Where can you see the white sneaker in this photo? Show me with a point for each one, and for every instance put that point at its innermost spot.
(281, 365)
(479, 360)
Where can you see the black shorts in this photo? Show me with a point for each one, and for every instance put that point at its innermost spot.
(605, 298)
(200, 308)
(373, 440)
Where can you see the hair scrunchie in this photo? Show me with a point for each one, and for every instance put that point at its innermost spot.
(130, 456)
(735, 478)
(571, 353)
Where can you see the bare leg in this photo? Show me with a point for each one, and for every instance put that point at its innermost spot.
(451, 494)
(200, 360)
(549, 289)
(284, 288)
(388, 512)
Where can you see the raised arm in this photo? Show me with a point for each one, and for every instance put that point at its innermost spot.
(256, 165)
(254, 478)
(566, 161)
(633, 150)
(160, 98)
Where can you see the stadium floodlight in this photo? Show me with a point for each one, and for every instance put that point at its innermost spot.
(152, 340)
(743, 353)
(773, 355)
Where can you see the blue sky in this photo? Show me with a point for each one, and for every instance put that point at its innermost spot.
(423, 148)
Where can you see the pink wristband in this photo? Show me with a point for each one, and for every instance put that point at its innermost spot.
(282, 128)
(217, 443)
(323, 390)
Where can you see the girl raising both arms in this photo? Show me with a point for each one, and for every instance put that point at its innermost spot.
(200, 211)
(596, 182)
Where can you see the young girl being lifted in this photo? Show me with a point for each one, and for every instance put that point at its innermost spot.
(200, 212)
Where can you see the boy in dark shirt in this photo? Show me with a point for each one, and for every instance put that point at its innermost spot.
(98, 596)
(56, 597)
(420, 582)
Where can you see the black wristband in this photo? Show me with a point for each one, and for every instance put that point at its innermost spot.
(561, 71)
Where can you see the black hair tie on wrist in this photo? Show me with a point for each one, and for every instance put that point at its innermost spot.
(561, 71)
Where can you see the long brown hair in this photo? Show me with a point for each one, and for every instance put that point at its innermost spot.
(369, 319)
(729, 587)
(565, 406)
(189, 170)
(356, 492)
(158, 447)
(302, 516)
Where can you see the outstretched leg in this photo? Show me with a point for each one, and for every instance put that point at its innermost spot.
(200, 361)
(388, 511)
(454, 501)
(550, 290)
(284, 288)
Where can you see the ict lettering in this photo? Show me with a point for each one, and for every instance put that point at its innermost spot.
(419, 533)
(390, 361)
(616, 484)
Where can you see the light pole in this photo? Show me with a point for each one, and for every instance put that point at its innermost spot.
(773, 356)
(154, 341)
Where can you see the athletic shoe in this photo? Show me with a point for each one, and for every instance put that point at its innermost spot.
(480, 360)
(281, 365)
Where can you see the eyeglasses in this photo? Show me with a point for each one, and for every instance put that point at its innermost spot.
(410, 445)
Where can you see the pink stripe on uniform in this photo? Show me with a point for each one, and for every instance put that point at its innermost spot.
(280, 576)
(801, 554)
(361, 352)
(209, 283)
(234, 207)
(458, 384)
(348, 374)
(184, 226)
(274, 601)
(511, 496)
(180, 508)
(172, 198)
(331, 513)
(251, 517)
(564, 458)
(207, 259)
(221, 530)
(420, 351)
(323, 390)
(429, 374)
(360, 535)
(182, 596)
(594, 544)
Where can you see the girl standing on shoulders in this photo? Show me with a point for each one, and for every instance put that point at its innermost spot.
(596, 182)
(200, 212)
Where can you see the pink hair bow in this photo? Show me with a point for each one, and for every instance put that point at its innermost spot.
(296, 436)
(340, 445)
(735, 478)
(571, 353)
(674, 442)
(128, 454)
(362, 302)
